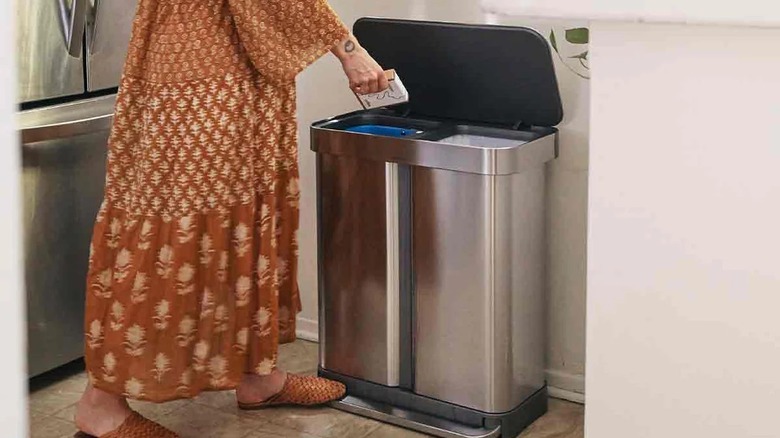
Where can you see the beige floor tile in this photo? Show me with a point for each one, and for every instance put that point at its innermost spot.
(50, 401)
(67, 413)
(270, 430)
(312, 358)
(291, 351)
(250, 419)
(312, 348)
(563, 420)
(310, 420)
(76, 383)
(55, 391)
(388, 431)
(222, 400)
(155, 411)
(50, 427)
(299, 357)
(578, 432)
(198, 421)
(320, 422)
(33, 416)
(349, 426)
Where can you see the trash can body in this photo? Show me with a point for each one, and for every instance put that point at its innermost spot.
(358, 214)
(479, 287)
(354, 257)
(432, 240)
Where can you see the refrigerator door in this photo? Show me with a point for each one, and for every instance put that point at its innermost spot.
(50, 38)
(107, 40)
(63, 156)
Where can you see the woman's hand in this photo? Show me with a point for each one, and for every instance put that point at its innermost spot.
(364, 74)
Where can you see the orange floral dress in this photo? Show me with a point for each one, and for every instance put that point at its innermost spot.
(193, 263)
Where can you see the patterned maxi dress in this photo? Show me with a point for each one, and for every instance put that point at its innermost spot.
(192, 279)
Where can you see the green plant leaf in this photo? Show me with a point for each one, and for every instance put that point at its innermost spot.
(553, 41)
(580, 35)
(583, 55)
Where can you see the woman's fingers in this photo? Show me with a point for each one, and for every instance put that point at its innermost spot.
(355, 86)
(373, 84)
(383, 82)
(372, 81)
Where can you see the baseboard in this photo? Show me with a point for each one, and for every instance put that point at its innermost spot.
(307, 329)
(563, 394)
(567, 381)
(562, 385)
(566, 386)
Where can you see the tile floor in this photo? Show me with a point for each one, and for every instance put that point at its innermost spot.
(214, 415)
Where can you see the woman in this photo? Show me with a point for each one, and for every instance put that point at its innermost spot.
(192, 281)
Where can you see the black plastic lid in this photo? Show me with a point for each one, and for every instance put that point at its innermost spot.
(475, 73)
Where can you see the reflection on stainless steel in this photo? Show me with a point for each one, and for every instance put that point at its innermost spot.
(64, 166)
(469, 243)
(107, 40)
(479, 273)
(50, 39)
(392, 207)
(72, 21)
(413, 420)
(64, 153)
(354, 276)
(67, 120)
(435, 154)
(46, 68)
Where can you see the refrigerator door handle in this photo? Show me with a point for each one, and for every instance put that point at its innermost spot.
(66, 129)
(109, 28)
(73, 23)
(92, 24)
(64, 121)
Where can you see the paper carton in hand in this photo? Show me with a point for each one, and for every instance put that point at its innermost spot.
(395, 94)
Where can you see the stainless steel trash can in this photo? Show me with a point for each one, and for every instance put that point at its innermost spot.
(432, 231)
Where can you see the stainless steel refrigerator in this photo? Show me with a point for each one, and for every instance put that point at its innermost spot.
(70, 54)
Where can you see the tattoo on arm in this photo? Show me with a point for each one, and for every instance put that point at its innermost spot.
(349, 46)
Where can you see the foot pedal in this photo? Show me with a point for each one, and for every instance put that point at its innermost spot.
(412, 420)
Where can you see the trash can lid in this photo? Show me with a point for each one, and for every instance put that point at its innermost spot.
(473, 73)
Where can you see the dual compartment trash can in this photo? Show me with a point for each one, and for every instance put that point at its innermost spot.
(432, 241)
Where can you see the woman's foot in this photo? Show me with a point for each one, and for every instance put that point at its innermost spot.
(99, 412)
(280, 388)
(256, 389)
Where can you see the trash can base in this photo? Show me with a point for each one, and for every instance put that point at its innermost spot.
(406, 409)
(412, 420)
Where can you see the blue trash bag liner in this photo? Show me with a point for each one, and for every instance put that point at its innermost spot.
(384, 131)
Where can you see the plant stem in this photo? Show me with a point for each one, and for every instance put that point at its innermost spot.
(570, 68)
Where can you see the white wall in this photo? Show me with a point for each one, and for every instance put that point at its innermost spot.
(319, 98)
(13, 405)
(684, 240)
(745, 12)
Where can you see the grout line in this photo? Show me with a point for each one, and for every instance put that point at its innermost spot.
(54, 414)
(373, 429)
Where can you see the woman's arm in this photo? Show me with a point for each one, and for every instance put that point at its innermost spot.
(282, 37)
(364, 73)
